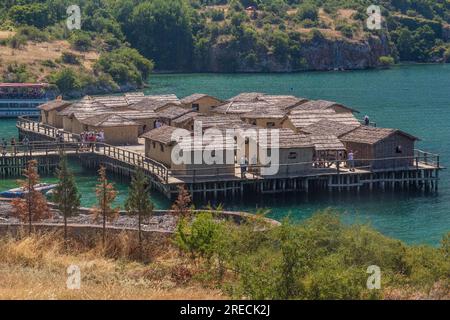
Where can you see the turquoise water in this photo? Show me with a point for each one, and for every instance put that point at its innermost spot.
(413, 98)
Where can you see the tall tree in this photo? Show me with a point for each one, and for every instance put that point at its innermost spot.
(33, 206)
(161, 30)
(106, 194)
(138, 202)
(182, 205)
(66, 194)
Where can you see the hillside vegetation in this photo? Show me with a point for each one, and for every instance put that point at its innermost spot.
(215, 35)
(206, 259)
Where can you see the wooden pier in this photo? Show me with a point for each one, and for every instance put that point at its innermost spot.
(322, 176)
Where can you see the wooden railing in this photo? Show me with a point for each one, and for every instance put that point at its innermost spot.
(113, 152)
(71, 142)
(135, 159)
(419, 159)
(52, 132)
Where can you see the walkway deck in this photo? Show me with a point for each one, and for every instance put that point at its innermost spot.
(422, 174)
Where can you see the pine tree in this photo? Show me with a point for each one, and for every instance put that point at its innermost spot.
(33, 206)
(66, 194)
(182, 205)
(138, 202)
(106, 194)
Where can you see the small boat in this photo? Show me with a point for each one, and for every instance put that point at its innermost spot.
(19, 192)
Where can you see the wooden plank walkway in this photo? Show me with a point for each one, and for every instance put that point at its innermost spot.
(123, 160)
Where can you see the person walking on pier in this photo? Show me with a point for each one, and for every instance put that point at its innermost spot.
(26, 144)
(4, 147)
(243, 164)
(366, 120)
(351, 161)
(13, 146)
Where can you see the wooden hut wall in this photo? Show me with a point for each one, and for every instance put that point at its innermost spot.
(159, 152)
(67, 123)
(361, 151)
(203, 169)
(265, 122)
(205, 105)
(118, 135)
(44, 117)
(387, 148)
(295, 160)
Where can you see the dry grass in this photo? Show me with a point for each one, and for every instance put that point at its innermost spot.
(33, 54)
(35, 268)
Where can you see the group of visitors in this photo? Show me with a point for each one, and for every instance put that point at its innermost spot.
(89, 139)
(13, 145)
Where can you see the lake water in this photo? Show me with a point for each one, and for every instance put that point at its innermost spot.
(412, 98)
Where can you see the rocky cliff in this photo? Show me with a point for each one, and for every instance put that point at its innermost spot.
(317, 53)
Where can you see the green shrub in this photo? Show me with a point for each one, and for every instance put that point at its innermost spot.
(125, 65)
(17, 41)
(80, 40)
(319, 259)
(32, 33)
(70, 58)
(217, 15)
(308, 11)
(201, 237)
(66, 80)
(386, 61)
(49, 63)
(17, 73)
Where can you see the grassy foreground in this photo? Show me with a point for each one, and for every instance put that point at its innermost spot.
(206, 259)
(36, 268)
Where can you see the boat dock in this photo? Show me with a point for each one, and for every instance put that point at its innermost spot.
(422, 174)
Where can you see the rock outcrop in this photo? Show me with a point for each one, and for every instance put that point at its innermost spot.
(317, 53)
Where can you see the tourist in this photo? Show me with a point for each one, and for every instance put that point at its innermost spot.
(243, 165)
(13, 145)
(26, 143)
(4, 147)
(61, 137)
(366, 120)
(101, 136)
(351, 161)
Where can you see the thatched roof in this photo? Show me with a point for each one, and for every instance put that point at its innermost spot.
(162, 134)
(253, 104)
(57, 104)
(191, 115)
(85, 106)
(240, 107)
(326, 127)
(287, 139)
(283, 102)
(195, 97)
(134, 94)
(320, 105)
(270, 112)
(327, 142)
(304, 119)
(209, 142)
(109, 120)
(246, 97)
(218, 120)
(172, 112)
(372, 135)
(137, 115)
(112, 101)
(155, 103)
